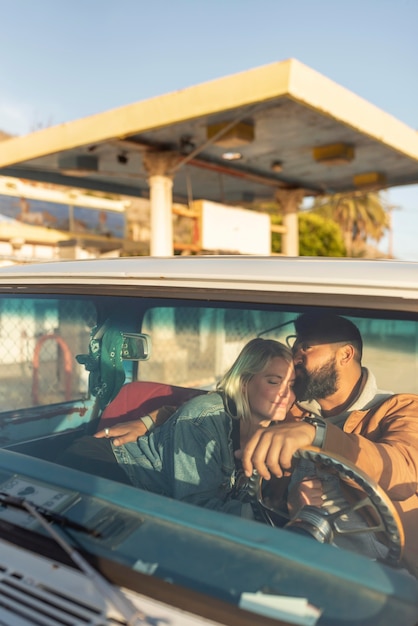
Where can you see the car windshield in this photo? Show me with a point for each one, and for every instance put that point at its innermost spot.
(76, 364)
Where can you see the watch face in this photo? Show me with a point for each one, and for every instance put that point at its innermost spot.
(315, 421)
(312, 420)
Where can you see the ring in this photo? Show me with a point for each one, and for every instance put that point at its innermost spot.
(106, 432)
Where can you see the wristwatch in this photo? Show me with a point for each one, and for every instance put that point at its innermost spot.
(148, 422)
(320, 430)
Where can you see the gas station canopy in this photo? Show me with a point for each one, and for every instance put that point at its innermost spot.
(292, 127)
(233, 140)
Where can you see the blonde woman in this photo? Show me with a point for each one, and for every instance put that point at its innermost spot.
(191, 456)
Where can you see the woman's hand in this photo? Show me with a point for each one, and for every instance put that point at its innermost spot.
(124, 432)
(307, 492)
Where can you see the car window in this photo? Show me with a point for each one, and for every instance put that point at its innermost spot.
(191, 344)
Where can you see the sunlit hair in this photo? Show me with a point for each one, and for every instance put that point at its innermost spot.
(253, 358)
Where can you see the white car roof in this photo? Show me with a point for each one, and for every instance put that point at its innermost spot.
(310, 274)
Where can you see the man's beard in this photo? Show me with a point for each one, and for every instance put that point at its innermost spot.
(318, 384)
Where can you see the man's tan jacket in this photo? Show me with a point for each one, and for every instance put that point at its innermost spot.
(382, 441)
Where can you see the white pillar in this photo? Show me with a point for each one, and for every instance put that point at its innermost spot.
(290, 200)
(158, 165)
(161, 219)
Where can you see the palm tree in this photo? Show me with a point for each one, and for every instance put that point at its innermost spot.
(361, 216)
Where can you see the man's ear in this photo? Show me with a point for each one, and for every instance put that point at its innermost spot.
(346, 354)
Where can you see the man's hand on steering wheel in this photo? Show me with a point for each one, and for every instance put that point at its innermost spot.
(270, 450)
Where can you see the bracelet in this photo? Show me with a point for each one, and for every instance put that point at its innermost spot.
(148, 422)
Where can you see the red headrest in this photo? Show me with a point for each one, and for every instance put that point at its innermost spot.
(139, 398)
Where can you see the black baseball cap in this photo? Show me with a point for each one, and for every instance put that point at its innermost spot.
(325, 327)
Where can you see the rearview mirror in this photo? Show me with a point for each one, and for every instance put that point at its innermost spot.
(136, 347)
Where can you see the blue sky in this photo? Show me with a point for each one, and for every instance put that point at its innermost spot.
(65, 59)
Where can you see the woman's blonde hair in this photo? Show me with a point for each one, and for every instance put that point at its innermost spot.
(252, 359)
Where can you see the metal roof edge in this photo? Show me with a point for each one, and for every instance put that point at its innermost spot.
(315, 90)
(247, 88)
(244, 88)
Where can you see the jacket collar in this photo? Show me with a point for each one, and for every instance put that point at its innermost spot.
(369, 396)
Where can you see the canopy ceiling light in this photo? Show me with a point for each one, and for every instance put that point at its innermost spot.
(232, 156)
(370, 180)
(187, 145)
(333, 154)
(78, 165)
(276, 166)
(122, 158)
(227, 136)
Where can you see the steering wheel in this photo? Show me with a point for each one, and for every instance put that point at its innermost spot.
(381, 517)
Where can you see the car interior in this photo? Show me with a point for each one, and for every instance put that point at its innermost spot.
(58, 353)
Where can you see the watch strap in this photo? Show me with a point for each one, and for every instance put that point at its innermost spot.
(320, 430)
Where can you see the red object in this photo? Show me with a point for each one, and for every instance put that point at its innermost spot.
(139, 398)
(68, 367)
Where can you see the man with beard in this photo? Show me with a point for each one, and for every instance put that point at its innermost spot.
(340, 409)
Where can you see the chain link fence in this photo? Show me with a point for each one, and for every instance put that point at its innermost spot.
(39, 339)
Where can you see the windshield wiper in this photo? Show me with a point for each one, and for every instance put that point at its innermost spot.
(132, 615)
(7, 500)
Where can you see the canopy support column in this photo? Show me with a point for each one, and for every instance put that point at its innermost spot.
(157, 165)
(290, 200)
